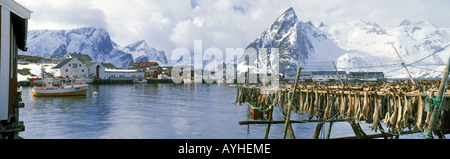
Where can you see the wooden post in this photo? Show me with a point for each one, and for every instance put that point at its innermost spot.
(318, 128)
(337, 72)
(288, 123)
(403, 63)
(268, 125)
(357, 129)
(329, 129)
(430, 128)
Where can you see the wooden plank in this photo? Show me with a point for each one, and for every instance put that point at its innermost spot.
(369, 136)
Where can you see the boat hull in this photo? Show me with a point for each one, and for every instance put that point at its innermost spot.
(80, 90)
(254, 112)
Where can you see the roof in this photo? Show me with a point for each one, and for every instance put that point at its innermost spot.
(328, 73)
(144, 63)
(16, 8)
(121, 70)
(19, 19)
(154, 67)
(62, 63)
(81, 57)
(108, 65)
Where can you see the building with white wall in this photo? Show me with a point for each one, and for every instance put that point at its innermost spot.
(71, 67)
(13, 36)
(123, 74)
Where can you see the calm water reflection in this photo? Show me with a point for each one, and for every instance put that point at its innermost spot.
(155, 111)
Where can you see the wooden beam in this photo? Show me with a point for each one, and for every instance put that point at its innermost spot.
(282, 121)
(369, 136)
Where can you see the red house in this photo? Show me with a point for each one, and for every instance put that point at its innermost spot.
(153, 72)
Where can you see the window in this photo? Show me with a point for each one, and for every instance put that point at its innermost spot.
(67, 70)
(82, 70)
(75, 66)
(79, 65)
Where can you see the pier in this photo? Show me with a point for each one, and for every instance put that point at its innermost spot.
(403, 107)
(109, 81)
(11, 129)
(156, 81)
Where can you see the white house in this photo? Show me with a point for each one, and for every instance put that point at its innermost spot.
(71, 67)
(13, 36)
(79, 65)
(121, 74)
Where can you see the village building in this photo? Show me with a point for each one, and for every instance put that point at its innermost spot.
(71, 67)
(144, 65)
(366, 76)
(78, 65)
(153, 72)
(124, 74)
(318, 76)
(13, 36)
(167, 70)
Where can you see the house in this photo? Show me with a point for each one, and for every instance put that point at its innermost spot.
(318, 75)
(144, 65)
(13, 36)
(167, 70)
(79, 65)
(123, 74)
(71, 67)
(84, 58)
(153, 71)
(366, 76)
(328, 75)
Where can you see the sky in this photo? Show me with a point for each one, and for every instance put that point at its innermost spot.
(167, 25)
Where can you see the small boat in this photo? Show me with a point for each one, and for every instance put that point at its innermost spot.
(256, 112)
(48, 89)
(320, 80)
(32, 79)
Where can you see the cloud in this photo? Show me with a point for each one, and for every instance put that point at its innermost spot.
(71, 14)
(220, 23)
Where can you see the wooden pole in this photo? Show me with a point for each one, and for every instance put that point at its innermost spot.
(430, 128)
(288, 123)
(318, 128)
(329, 129)
(403, 63)
(266, 136)
(337, 72)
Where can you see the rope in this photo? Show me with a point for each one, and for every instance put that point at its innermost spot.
(437, 100)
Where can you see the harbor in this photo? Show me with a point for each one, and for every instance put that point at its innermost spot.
(194, 111)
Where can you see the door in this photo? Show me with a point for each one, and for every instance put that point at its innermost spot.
(97, 72)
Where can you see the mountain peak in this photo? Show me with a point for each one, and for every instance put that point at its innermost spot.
(137, 44)
(288, 15)
(420, 22)
(405, 22)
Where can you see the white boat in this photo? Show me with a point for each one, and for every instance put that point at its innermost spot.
(48, 89)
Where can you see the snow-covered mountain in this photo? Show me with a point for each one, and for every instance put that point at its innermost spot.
(299, 43)
(422, 46)
(358, 46)
(142, 52)
(95, 42)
